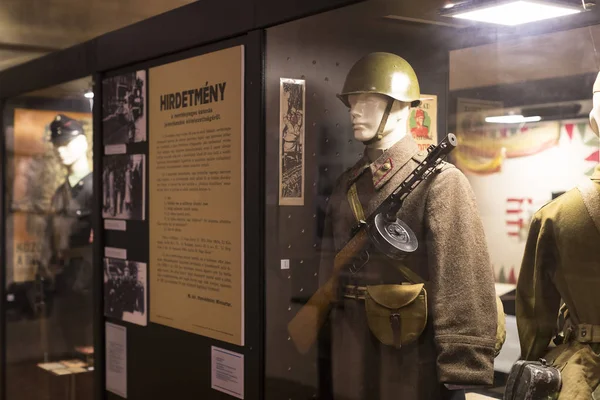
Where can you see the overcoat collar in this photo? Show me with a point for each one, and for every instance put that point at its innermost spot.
(387, 165)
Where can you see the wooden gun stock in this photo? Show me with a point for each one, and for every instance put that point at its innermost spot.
(305, 326)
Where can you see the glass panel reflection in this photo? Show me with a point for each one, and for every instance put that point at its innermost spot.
(518, 100)
(49, 243)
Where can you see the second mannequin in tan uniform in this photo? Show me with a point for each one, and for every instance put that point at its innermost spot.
(562, 262)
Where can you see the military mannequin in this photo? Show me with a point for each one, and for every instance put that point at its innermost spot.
(69, 234)
(562, 264)
(456, 349)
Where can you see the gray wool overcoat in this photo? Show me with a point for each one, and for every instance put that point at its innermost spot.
(457, 346)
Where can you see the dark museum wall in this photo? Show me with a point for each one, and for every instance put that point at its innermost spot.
(321, 50)
(163, 362)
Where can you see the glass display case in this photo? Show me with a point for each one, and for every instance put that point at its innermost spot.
(405, 305)
(48, 197)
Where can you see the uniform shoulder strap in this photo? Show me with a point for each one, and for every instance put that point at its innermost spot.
(591, 198)
(357, 208)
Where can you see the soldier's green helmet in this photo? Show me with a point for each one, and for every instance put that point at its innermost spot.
(382, 73)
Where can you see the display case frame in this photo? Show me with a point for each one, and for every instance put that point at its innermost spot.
(193, 30)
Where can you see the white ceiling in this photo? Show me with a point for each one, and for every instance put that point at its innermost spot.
(32, 28)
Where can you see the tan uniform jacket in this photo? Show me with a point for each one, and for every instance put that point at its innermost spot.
(562, 260)
(458, 344)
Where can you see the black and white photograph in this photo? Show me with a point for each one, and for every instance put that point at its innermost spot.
(124, 108)
(291, 142)
(124, 187)
(126, 291)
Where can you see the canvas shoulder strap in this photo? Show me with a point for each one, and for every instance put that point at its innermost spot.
(359, 214)
(591, 199)
(357, 208)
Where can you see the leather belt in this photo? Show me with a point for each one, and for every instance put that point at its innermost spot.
(586, 333)
(355, 292)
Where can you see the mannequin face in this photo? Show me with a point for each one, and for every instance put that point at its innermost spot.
(366, 112)
(595, 114)
(73, 151)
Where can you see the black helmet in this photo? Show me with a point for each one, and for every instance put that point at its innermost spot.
(64, 129)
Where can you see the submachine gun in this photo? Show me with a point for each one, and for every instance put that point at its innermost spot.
(384, 231)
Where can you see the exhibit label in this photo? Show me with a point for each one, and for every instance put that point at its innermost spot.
(227, 372)
(116, 359)
(196, 195)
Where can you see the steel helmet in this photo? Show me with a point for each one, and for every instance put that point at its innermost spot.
(382, 73)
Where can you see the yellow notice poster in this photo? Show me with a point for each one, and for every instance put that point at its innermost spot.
(196, 195)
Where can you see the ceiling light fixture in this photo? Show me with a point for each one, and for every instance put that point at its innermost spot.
(89, 94)
(512, 119)
(512, 12)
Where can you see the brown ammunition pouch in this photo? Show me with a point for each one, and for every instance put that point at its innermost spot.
(396, 314)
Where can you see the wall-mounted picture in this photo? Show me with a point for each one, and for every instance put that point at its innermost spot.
(422, 123)
(124, 108)
(124, 187)
(291, 142)
(126, 291)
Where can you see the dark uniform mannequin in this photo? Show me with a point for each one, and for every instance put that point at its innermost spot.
(70, 234)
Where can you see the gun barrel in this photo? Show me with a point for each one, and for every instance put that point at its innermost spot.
(444, 148)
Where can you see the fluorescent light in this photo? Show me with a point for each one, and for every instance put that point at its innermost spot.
(516, 12)
(512, 119)
(89, 95)
(449, 5)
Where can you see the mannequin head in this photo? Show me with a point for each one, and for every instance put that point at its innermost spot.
(72, 151)
(71, 145)
(378, 83)
(366, 113)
